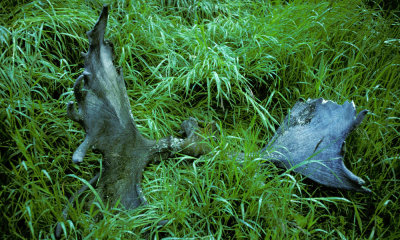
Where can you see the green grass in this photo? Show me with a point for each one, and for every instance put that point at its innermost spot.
(242, 64)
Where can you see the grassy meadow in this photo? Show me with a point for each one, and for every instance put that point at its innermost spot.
(242, 64)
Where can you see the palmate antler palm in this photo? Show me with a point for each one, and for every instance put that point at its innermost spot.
(310, 140)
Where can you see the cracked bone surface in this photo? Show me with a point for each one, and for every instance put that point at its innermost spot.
(310, 140)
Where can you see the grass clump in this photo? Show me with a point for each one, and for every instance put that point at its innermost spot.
(242, 64)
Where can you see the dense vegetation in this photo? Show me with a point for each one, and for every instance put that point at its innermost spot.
(242, 64)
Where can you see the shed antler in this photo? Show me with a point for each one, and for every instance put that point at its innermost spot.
(311, 137)
(103, 109)
(311, 142)
(105, 113)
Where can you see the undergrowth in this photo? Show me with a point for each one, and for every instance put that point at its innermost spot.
(242, 64)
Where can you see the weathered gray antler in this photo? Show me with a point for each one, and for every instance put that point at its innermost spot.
(311, 139)
(105, 113)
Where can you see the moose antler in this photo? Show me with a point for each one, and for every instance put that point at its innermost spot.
(310, 140)
(105, 113)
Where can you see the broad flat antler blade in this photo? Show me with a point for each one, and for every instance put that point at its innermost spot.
(311, 140)
(102, 102)
(104, 112)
